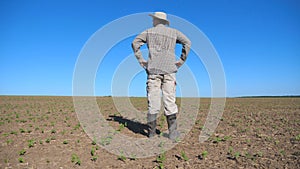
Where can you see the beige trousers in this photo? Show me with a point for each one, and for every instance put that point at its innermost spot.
(164, 85)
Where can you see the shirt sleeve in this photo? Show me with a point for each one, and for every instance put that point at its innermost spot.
(186, 46)
(139, 41)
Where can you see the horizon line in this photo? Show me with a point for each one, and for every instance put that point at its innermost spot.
(245, 96)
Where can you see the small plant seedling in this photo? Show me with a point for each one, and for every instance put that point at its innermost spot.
(161, 166)
(13, 132)
(161, 144)
(233, 156)
(6, 161)
(117, 114)
(48, 140)
(93, 151)
(63, 132)
(77, 126)
(259, 154)
(121, 127)
(217, 140)
(249, 156)
(53, 131)
(160, 160)
(23, 121)
(94, 158)
(22, 130)
(184, 156)
(282, 152)
(97, 147)
(297, 137)
(31, 143)
(94, 142)
(177, 140)
(9, 141)
(65, 142)
(21, 160)
(75, 159)
(133, 157)
(122, 156)
(5, 134)
(230, 150)
(106, 141)
(236, 155)
(226, 138)
(22, 152)
(204, 154)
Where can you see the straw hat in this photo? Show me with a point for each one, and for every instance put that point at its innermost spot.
(161, 16)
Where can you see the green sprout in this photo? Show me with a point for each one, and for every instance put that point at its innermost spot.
(75, 159)
(184, 156)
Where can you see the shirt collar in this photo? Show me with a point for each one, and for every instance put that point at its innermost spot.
(160, 25)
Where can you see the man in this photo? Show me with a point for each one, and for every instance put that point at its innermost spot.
(161, 68)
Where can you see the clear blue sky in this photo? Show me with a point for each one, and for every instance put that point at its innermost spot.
(257, 41)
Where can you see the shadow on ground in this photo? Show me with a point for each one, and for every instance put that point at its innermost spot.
(134, 126)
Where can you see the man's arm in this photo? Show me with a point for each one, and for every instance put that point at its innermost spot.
(186, 46)
(139, 41)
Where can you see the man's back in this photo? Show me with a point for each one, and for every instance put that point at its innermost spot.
(161, 42)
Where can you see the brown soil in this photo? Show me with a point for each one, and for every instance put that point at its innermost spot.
(44, 132)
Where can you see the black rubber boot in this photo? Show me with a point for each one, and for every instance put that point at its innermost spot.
(151, 118)
(172, 126)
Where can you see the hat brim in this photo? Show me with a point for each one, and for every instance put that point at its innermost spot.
(153, 16)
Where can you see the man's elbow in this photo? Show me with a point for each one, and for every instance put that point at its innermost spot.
(189, 43)
(133, 46)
